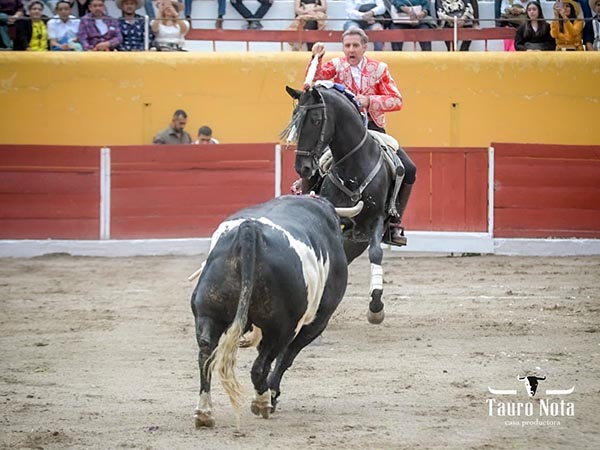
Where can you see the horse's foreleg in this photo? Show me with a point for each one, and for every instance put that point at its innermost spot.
(376, 313)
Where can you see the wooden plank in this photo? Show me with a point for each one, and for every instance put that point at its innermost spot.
(49, 228)
(176, 226)
(518, 171)
(55, 206)
(49, 157)
(123, 157)
(550, 198)
(418, 211)
(20, 182)
(448, 192)
(546, 151)
(533, 222)
(476, 195)
(174, 178)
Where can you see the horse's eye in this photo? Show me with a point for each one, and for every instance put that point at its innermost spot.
(317, 122)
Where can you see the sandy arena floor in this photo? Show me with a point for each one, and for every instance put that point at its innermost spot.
(99, 353)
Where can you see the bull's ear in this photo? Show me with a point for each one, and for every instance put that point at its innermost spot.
(541, 378)
(294, 93)
(521, 378)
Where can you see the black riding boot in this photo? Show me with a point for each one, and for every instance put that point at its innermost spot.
(397, 231)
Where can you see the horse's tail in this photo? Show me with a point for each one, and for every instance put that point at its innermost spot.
(225, 355)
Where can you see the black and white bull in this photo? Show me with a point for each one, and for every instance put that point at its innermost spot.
(280, 267)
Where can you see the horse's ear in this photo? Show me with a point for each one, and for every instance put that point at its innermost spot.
(294, 93)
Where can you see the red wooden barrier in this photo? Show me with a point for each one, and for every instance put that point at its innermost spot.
(451, 192)
(547, 191)
(185, 191)
(49, 192)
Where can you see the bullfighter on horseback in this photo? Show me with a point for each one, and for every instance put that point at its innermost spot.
(376, 92)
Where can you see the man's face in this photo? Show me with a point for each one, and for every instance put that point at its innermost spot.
(35, 11)
(128, 6)
(354, 49)
(597, 8)
(203, 139)
(179, 123)
(63, 10)
(96, 8)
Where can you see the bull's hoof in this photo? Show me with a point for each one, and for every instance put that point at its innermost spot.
(375, 318)
(260, 408)
(203, 419)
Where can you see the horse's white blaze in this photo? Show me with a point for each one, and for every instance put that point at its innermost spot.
(315, 270)
(204, 403)
(376, 277)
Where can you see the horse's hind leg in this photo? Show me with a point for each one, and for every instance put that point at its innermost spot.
(376, 313)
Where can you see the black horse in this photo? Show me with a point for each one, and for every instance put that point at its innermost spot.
(327, 117)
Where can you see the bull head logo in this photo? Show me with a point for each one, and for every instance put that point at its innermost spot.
(531, 383)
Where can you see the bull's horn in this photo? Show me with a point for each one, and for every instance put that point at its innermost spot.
(350, 212)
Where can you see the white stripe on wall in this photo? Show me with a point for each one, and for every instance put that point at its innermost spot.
(105, 193)
(277, 170)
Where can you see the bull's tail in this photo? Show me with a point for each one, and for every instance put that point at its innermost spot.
(226, 353)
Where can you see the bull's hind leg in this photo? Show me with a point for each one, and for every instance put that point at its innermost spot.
(268, 349)
(307, 334)
(207, 335)
(376, 313)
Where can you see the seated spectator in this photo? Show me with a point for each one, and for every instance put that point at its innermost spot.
(221, 4)
(252, 19)
(174, 133)
(513, 13)
(591, 34)
(133, 26)
(567, 29)
(32, 33)
(82, 7)
(10, 12)
(149, 8)
(97, 31)
(205, 136)
(168, 28)
(412, 14)
(310, 15)
(464, 12)
(363, 14)
(63, 29)
(534, 35)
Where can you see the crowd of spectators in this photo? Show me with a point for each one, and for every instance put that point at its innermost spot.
(575, 25)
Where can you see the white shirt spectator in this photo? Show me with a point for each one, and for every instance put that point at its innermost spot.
(352, 7)
(63, 31)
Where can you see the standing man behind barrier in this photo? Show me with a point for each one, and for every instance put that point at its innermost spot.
(174, 133)
(375, 89)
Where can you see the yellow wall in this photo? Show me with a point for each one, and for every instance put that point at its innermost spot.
(118, 98)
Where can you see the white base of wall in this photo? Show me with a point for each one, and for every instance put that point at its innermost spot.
(418, 241)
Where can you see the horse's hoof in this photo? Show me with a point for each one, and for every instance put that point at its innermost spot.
(375, 318)
(202, 419)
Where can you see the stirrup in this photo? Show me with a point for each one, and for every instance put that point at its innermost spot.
(395, 235)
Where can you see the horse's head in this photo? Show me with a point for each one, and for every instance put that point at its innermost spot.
(309, 128)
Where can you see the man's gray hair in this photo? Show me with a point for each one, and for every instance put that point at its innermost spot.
(358, 32)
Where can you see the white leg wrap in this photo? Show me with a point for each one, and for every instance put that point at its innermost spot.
(204, 403)
(376, 277)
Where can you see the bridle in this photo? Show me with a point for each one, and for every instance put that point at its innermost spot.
(333, 177)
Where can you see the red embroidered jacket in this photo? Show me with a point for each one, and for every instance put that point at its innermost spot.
(376, 82)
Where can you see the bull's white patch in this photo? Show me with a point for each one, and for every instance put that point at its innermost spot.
(376, 278)
(204, 403)
(315, 270)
